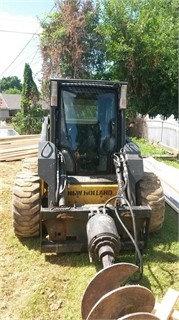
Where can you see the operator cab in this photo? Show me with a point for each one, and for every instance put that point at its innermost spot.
(86, 127)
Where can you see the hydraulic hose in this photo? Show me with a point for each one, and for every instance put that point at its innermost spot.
(61, 178)
(134, 240)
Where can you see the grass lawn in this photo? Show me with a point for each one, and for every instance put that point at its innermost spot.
(148, 149)
(43, 287)
(51, 286)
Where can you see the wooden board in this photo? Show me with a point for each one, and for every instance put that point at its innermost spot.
(165, 310)
(18, 147)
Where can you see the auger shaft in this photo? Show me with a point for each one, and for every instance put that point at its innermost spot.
(107, 296)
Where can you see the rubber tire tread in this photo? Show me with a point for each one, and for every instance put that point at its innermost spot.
(30, 164)
(26, 204)
(151, 193)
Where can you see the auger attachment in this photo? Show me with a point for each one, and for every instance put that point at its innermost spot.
(127, 302)
(139, 316)
(103, 238)
(107, 297)
(103, 282)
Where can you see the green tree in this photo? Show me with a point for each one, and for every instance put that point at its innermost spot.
(30, 94)
(30, 123)
(10, 83)
(29, 119)
(70, 42)
(141, 47)
(12, 91)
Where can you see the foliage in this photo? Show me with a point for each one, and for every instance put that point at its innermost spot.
(141, 47)
(130, 40)
(7, 83)
(30, 94)
(148, 149)
(172, 163)
(70, 44)
(29, 123)
(12, 91)
(45, 91)
(29, 119)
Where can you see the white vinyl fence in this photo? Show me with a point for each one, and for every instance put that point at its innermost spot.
(165, 132)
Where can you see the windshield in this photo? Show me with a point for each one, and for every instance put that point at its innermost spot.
(88, 126)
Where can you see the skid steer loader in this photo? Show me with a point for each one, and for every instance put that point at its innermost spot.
(89, 192)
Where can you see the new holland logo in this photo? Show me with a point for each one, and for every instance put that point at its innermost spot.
(79, 193)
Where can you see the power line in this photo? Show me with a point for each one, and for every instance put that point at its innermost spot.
(17, 56)
(25, 59)
(35, 33)
(12, 31)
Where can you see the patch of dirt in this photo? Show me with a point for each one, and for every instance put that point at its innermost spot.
(17, 274)
(32, 285)
(16, 285)
(10, 285)
(8, 171)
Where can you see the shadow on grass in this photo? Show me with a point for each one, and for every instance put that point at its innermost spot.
(30, 243)
(160, 249)
(76, 259)
(161, 254)
(163, 245)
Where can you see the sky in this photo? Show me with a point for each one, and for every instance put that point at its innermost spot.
(19, 29)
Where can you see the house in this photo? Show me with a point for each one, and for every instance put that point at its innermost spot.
(9, 105)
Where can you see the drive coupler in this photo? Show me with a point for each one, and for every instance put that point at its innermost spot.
(103, 238)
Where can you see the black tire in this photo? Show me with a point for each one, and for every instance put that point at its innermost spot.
(30, 164)
(26, 205)
(151, 193)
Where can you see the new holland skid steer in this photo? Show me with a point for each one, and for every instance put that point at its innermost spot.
(89, 192)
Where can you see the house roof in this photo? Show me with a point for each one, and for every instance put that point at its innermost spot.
(13, 102)
(10, 101)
